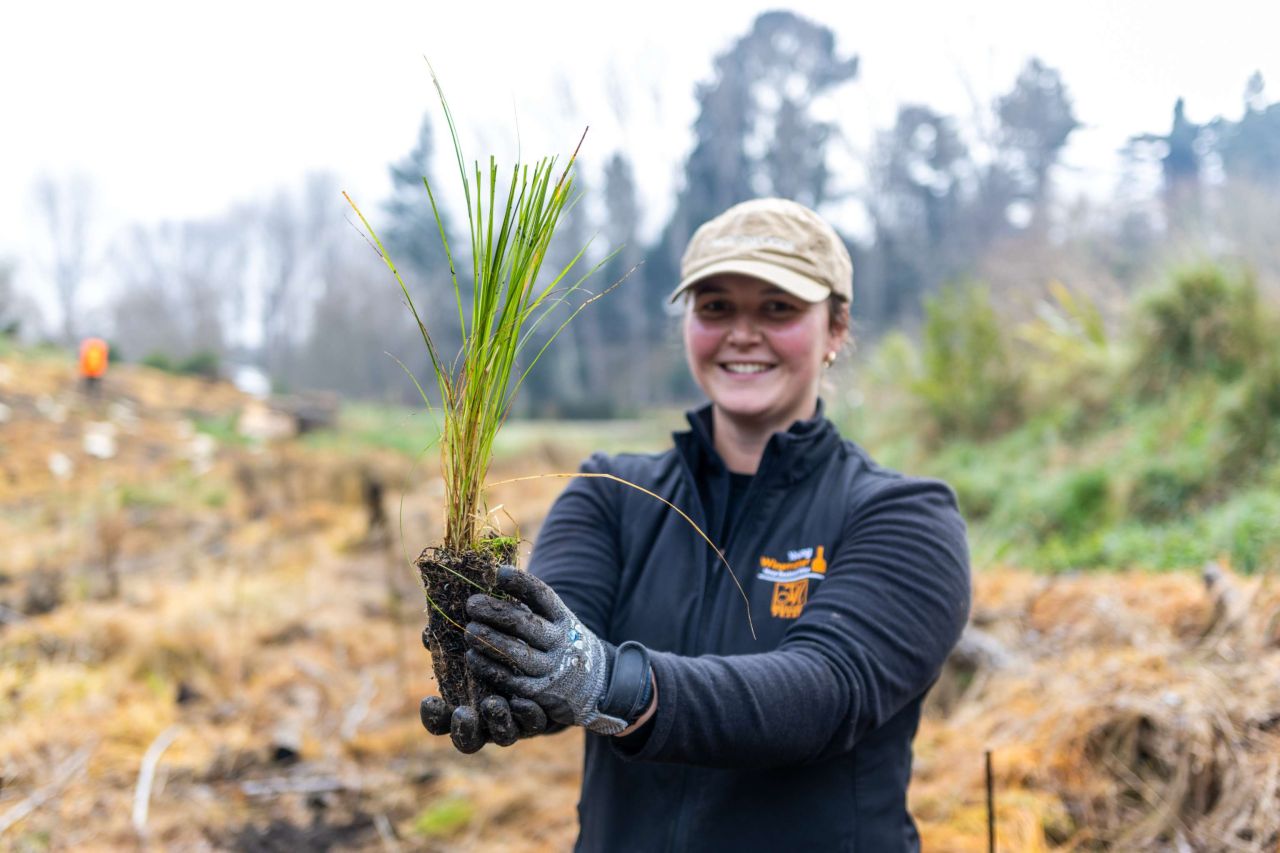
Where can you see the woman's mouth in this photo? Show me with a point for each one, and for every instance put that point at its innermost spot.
(745, 368)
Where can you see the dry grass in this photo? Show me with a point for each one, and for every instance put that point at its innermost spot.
(1130, 712)
(1125, 712)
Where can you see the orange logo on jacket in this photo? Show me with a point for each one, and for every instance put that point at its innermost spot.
(791, 580)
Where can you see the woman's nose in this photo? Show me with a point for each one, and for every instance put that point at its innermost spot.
(743, 330)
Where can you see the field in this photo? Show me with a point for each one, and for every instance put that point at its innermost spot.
(212, 643)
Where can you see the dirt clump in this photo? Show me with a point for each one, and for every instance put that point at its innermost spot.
(451, 577)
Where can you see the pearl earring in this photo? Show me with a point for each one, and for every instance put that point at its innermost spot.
(829, 360)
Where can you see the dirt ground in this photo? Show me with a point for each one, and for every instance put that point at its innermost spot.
(211, 644)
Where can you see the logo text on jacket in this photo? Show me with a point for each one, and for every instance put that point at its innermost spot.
(791, 578)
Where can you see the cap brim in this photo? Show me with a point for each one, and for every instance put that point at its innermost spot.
(792, 282)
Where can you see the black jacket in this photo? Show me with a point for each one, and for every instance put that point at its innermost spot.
(798, 738)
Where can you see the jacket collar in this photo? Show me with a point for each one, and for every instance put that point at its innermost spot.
(788, 456)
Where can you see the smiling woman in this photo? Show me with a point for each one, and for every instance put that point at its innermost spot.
(758, 352)
(767, 286)
(702, 734)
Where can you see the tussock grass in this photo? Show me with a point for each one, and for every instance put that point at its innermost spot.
(509, 235)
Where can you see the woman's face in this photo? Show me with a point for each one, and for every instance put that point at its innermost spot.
(756, 350)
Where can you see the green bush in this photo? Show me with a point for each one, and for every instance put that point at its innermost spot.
(1058, 553)
(1163, 491)
(978, 491)
(159, 361)
(203, 363)
(1070, 369)
(969, 385)
(1247, 529)
(1252, 421)
(1203, 323)
(1137, 545)
(1082, 504)
(1063, 517)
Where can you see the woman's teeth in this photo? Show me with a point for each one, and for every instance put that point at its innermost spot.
(746, 368)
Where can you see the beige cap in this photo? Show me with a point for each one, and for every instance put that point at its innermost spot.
(775, 240)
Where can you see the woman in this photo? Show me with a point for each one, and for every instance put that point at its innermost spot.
(786, 727)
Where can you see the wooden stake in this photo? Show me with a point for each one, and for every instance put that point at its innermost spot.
(991, 807)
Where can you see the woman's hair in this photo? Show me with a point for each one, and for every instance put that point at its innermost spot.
(838, 312)
(839, 319)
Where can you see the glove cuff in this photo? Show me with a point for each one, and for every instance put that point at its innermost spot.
(630, 684)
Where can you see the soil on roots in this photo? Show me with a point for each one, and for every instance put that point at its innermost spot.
(450, 578)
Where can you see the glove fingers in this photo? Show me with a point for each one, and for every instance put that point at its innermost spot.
(516, 654)
(533, 592)
(512, 617)
(499, 677)
(529, 717)
(465, 730)
(435, 714)
(558, 710)
(497, 717)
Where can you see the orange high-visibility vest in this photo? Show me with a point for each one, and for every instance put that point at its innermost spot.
(93, 357)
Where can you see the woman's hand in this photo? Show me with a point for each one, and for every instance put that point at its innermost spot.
(497, 720)
(532, 647)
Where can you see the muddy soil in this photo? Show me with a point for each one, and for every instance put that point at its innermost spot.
(450, 578)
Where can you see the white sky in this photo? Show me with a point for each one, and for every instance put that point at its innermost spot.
(178, 110)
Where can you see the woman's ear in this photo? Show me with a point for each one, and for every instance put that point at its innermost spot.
(838, 327)
(839, 337)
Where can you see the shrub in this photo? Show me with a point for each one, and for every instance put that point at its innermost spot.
(204, 363)
(969, 386)
(1248, 530)
(1203, 322)
(1083, 504)
(1163, 491)
(159, 361)
(1252, 421)
(1071, 372)
(1171, 546)
(978, 492)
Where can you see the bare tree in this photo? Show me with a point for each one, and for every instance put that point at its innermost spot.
(180, 283)
(358, 334)
(66, 208)
(20, 315)
(294, 236)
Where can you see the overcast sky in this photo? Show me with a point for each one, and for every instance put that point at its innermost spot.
(177, 109)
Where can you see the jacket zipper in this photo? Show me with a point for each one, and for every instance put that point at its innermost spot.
(677, 839)
(747, 510)
(699, 516)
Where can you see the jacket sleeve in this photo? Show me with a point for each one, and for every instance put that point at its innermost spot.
(872, 638)
(578, 552)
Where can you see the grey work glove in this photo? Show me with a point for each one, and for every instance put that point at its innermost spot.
(497, 720)
(534, 647)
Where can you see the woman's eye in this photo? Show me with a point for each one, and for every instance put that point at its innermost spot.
(712, 306)
(777, 308)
